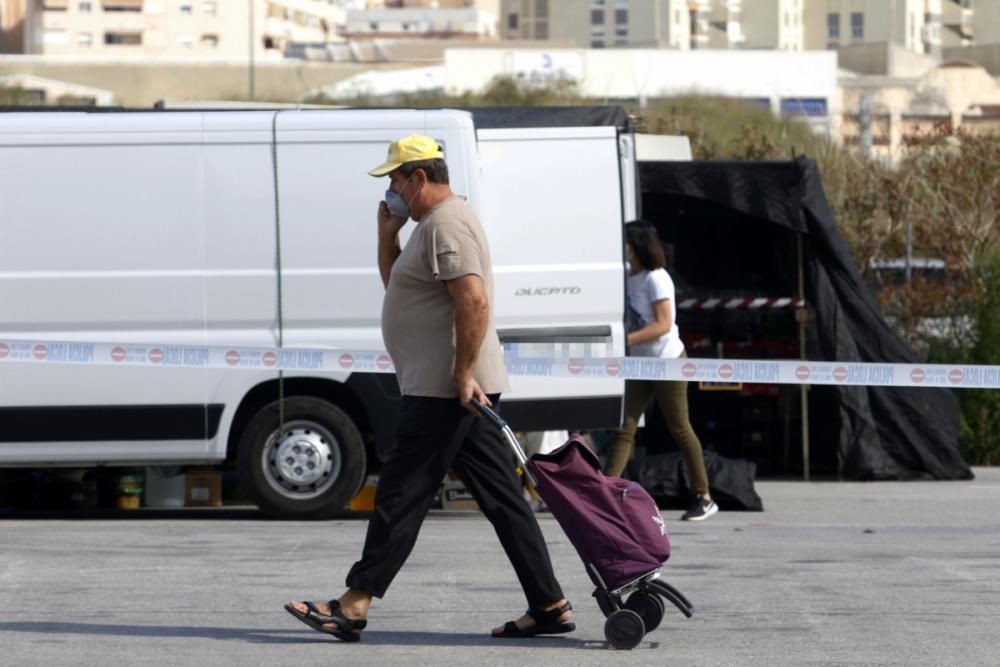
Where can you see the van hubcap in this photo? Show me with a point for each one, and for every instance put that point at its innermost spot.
(302, 461)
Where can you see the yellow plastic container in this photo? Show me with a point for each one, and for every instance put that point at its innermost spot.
(364, 501)
(130, 489)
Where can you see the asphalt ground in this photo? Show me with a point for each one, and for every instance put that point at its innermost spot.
(831, 573)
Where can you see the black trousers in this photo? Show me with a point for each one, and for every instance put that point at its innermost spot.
(433, 435)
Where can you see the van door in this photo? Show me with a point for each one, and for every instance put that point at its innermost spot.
(104, 241)
(553, 205)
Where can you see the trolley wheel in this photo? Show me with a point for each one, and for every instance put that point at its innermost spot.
(649, 606)
(624, 629)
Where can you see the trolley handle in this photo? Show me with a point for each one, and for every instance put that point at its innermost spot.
(488, 414)
(508, 435)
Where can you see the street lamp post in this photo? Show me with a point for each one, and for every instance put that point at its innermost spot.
(253, 41)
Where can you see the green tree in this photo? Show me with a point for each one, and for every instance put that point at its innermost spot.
(10, 95)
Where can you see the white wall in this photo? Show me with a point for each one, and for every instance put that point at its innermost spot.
(630, 74)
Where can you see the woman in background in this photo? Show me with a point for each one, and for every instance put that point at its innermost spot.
(653, 333)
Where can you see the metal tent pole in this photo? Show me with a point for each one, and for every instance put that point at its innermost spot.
(802, 315)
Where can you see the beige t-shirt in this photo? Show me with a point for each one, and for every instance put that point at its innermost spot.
(418, 314)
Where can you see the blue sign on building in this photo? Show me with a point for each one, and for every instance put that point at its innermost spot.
(804, 106)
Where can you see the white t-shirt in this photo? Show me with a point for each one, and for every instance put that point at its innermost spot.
(644, 289)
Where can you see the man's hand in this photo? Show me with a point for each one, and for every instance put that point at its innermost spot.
(468, 389)
(388, 241)
(388, 224)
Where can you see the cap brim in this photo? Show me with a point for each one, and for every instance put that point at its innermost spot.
(384, 169)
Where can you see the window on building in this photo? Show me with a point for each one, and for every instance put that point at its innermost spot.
(833, 26)
(186, 8)
(53, 5)
(621, 31)
(512, 21)
(621, 16)
(596, 17)
(541, 9)
(596, 3)
(84, 39)
(210, 41)
(857, 25)
(122, 5)
(54, 36)
(210, 7)
(84, 8)
(597, 43)
(123, 38)
(541, 29)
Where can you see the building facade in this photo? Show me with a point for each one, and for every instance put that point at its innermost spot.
(802, 85)
(229, 29)
(12, 26)
(956, 22)
(420, 23)
(600, 23)
(775, 24)
(913, 24)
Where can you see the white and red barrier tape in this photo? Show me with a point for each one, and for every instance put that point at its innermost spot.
(758, 303)
(628, 368)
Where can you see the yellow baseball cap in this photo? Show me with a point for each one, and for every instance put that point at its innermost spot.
(413, 148)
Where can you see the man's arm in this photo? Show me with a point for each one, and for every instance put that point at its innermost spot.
(388, 241)
(472, 317)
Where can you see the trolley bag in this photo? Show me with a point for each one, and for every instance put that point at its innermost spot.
(616, 528)
(614, 524)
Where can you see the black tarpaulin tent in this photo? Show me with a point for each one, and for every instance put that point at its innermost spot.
(880, 432)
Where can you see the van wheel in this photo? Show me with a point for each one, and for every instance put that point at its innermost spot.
(311, 468)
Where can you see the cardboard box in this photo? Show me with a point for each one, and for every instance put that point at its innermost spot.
(202, 488)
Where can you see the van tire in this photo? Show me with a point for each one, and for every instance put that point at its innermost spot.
(311, 469)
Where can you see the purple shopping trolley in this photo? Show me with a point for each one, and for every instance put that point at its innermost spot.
(616, 528)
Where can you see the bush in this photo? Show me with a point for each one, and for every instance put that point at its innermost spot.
(980, 418)
(502, 91)
(11, 96)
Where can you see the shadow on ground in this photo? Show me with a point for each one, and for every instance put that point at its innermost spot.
(371, 637)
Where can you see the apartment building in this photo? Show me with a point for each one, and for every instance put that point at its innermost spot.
(915, 25)
(225, 29)
(492, 6)
(987, 23)
(599, 23)
(420, 23)
(774, 24)
(956, 21)
(12, 26)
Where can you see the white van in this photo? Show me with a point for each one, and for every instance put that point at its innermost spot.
(257, 228)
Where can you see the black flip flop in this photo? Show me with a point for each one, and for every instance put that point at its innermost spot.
(345, 627)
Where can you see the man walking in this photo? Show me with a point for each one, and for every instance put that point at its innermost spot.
(437, 324)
